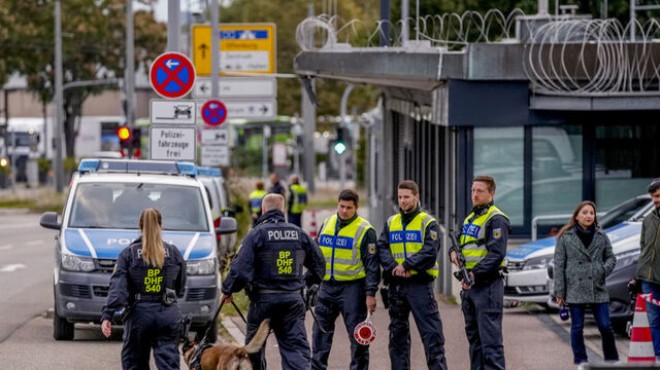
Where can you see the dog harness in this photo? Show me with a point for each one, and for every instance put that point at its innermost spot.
(196, 358)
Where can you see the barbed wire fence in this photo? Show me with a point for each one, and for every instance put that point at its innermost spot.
(563, 55)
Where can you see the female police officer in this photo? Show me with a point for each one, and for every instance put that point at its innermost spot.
(148, 277)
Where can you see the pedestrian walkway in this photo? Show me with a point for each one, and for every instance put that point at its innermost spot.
(528, 343)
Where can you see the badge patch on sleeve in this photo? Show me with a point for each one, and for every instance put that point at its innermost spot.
(434, 235)
(372, 248)
(497, 233)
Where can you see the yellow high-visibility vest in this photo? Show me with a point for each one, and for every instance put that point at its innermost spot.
(343, 259)
(299, 198)
(473, 237)
(255, 199)
(408, 241)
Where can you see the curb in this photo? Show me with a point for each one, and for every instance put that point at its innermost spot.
(13, 211)
(236, 333)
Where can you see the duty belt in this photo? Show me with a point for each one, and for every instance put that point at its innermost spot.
(148, 298)
(275, 291)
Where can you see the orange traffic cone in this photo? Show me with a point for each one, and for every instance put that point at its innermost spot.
(314, 231)
(641, 345)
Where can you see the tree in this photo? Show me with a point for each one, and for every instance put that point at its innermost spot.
(93, 45)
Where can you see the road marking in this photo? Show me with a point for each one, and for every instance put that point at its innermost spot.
(34, 242)
(21, 225)
(11, 268)
(6, 247)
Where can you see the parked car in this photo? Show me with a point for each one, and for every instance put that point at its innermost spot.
(100, 219)
(527, 264)
(218, 198)
(627, 252)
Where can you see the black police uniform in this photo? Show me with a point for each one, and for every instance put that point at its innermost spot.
(414, 294)
(270, 264)
(154, 319)
(349, 299)
(482, 304)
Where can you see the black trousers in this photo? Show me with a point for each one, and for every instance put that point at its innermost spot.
(483, 309)
(287, 320)
(151, 326)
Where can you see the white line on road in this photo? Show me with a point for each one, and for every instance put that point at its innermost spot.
(11, 268)
(21, 225)
(34, 242)
(6, 247)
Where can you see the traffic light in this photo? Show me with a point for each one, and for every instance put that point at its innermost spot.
(340, 142)
(124, 134)
(136, 137)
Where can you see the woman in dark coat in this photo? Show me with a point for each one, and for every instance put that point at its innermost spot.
(583, 259)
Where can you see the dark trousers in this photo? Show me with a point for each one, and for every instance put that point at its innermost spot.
(417, 297)
(294, 218)
(602, 316)
(349, 299)
(653, 313)
(287, 320)
(482, 309)
(151, 325)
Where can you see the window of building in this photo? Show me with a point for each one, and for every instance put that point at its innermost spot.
(499, 152)
(556, 172)
(627, 158)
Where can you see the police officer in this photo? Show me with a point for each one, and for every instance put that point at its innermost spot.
(270, 265)
(297, 201)
(149, 276)
(348, 243)
(255, 198)
(408, 251)
(483, 242)
(275, 186)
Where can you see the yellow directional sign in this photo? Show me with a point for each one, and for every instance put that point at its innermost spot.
(244, 47)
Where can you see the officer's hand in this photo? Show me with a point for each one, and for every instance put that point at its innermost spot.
(453, 256)
(371, 303)
(464, 285)
(310, 296)
(226, 299)
(106, 328)
(560, 301)
(399, 271)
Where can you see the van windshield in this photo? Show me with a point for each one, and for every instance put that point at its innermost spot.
(118, 206)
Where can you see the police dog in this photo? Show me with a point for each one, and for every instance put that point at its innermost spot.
(224, 356)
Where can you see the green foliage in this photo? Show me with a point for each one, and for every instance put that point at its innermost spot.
(93, 47)
(247, 160)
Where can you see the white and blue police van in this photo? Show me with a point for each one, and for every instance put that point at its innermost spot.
(100, 219)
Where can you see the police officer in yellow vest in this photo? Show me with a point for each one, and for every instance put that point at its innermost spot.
(297, 201)
(352, 274)
(483, 242)
(255, 198)
(408, 252)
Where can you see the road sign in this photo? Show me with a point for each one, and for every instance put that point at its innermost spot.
(215, 136)
(238, 87)
(173, 143)
(172, 75)
(215, 155)
(172, 112)
(244, 47)
(252, 108)
(214, 112)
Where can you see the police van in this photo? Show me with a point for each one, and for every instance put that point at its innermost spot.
(100, 219)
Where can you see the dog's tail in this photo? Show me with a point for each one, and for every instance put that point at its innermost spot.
(259, 339)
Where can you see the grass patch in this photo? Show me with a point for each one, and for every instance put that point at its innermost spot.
(37, 200)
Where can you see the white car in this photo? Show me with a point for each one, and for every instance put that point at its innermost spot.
(527, 279)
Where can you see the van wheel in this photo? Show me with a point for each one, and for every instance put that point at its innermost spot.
(62, 329)
(213, 334)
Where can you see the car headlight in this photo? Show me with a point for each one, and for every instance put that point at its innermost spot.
(537, 263)
(626, 259)
(75, 263)
(201, 267)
